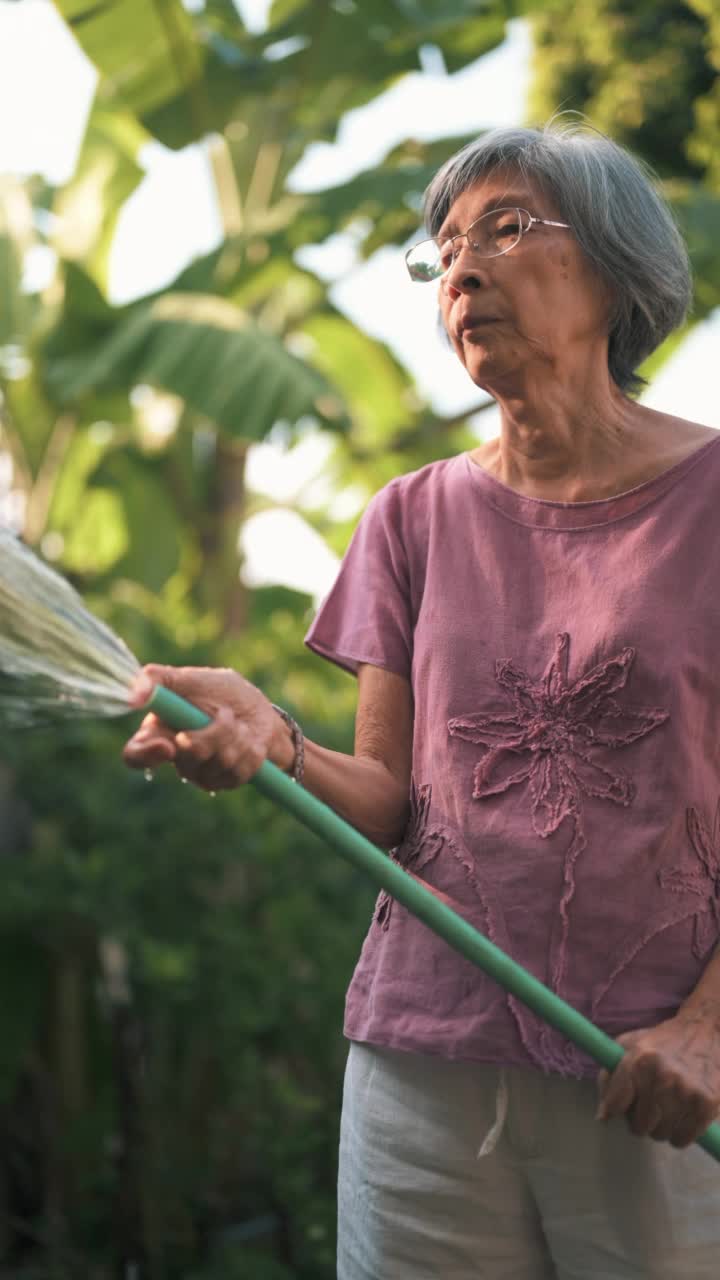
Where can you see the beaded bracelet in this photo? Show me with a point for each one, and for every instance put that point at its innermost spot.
(298, 738)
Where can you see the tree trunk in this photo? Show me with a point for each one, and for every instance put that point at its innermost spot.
(223, 590)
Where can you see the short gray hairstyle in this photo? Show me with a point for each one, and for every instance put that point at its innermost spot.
(617, 215)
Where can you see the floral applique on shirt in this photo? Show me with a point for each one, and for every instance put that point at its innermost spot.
(687, 884)
(703, 880)
(555, 740)
(424, 841)
(418, 846)
(421, 844)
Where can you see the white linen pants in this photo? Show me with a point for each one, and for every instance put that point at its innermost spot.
(560, 1197)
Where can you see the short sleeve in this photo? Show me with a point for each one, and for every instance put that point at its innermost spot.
(367, 615)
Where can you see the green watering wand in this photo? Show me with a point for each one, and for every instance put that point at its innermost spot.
(386, 874)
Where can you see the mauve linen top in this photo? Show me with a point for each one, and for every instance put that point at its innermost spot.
(566, 749)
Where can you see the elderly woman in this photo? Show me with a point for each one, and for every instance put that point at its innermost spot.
(534, 629)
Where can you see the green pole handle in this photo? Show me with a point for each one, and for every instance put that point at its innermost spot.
(387, 875)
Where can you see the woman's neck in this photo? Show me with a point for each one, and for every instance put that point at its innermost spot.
(567, 448)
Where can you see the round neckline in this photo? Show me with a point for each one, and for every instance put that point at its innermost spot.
(548, 513)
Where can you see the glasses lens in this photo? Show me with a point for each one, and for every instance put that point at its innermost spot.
(423, 261)
(495, 232)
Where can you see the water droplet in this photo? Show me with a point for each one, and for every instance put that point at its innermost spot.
(212, 794)
(184, 781)
(148, 775)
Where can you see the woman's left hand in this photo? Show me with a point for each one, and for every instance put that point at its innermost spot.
(668, 1082)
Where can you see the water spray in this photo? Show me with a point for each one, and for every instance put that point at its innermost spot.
(58, 661)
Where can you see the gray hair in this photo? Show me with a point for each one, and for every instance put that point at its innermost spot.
(617, 215)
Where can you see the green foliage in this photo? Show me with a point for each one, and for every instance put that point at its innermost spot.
(313, 63)
(637, 70)
(364, 371)
(145, 53)
(698, 212)
(383, 205)
(14, 215)
(107, 174)
(205, 350)
(646, 74)
(188, 957)
(226, 1025)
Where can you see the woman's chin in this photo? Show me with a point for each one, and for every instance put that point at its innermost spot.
(487, 367)
(483, 368)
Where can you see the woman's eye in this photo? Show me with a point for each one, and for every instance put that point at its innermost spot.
(511, 228)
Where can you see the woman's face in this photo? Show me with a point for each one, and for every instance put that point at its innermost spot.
(543, 304)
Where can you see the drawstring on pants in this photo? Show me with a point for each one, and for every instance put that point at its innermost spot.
(492, 1137)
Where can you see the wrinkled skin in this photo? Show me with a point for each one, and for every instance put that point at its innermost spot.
(668, 1083)
(245, 730)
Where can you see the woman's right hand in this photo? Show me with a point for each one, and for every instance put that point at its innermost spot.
(245, 730)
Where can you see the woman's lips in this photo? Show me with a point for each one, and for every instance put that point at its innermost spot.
(470, 326)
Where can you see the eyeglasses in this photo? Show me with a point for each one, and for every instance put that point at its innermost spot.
(489, 236)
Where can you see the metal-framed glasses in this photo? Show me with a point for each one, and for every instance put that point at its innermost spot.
(488, 236)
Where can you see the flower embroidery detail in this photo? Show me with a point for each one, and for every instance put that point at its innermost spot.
(421, 844)
(550, 740)
(418, 846)
(555, 727)
(704, 880)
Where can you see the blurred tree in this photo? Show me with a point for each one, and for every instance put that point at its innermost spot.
(171, 1054)
(647, 74)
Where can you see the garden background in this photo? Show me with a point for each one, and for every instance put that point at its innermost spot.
(193, 452)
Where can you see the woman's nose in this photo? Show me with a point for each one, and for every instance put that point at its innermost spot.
(464, 281)
(463, 275)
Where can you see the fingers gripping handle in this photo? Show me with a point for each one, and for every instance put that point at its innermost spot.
(174, 711)
(386, 874)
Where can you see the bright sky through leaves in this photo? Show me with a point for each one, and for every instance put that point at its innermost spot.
(46, 86)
